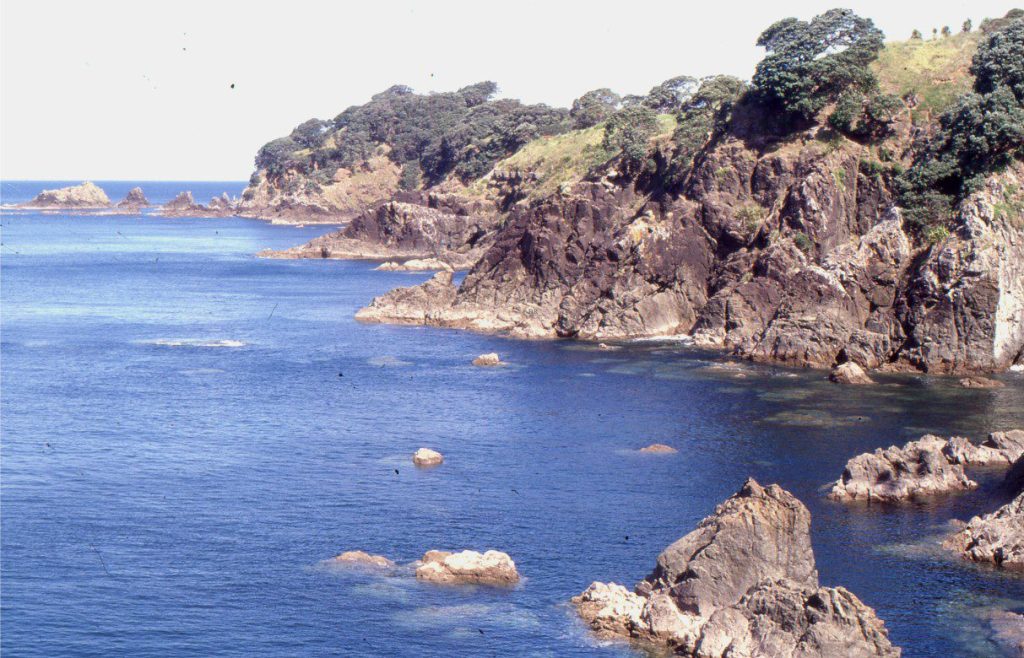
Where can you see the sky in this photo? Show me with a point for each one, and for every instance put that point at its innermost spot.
(187, 90)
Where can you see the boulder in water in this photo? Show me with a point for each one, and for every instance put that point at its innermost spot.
(427, 457)
(468, 568)
(490, 359)
(849, 373)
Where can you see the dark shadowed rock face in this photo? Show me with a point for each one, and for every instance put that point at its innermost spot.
(789, 255)
(414, 225)
(743, 584)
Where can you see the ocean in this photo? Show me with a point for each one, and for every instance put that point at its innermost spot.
(188, 431)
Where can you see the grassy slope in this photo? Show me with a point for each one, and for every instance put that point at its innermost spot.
(936, 70)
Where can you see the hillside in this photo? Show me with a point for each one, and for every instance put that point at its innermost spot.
(860, 203)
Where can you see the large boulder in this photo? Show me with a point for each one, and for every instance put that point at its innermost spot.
(999, 449)
(427, 457)
(361, 559)
(84, 196)
(743, 584)
(918, 469)
(467, 568)
(849, 373)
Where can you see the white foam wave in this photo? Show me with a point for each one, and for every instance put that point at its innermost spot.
(194, 342)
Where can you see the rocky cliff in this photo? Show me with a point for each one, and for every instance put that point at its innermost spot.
(813, 238)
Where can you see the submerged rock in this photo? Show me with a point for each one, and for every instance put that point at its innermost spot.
(996, 538)
(658, 448)
(920, 468)
(489, 359)
(1008, 631)
(849, 373)
(468, 568)
(84, 196)
(743, 584)
(362, 558)
(427, 457)
(980, 382)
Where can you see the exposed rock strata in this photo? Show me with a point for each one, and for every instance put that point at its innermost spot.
(742, 584)
(85, 196)
(468, 568)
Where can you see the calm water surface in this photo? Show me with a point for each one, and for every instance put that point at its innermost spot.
(189, 430)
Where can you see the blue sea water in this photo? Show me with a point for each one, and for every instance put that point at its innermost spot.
(187, 431)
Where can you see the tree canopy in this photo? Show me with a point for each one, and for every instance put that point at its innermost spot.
(810, 63)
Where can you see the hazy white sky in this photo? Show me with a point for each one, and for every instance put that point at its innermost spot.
(136, 90)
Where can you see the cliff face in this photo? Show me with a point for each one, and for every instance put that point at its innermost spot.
(790, 254)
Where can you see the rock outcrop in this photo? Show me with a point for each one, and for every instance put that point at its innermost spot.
(998, 449)
(468, 568)
(184, 205)
(996, 538)
(489, 359)
(928, 466)
(86, 196)
(134, 200)
(362, 558)
(434, 227)
(416, 265)
(849, 373)
(427, 457)
(743, 584)
(919, 469)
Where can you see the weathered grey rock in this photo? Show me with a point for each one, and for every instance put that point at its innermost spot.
(996, 538)
(743, 584)
(416, 265)
(424, 229)
(1008, 631)
(184, 205)
(468, 567)
(134, 200)
(363, 559)
(980, 382)
(427, 457)
(489, 359)
(919, 469)
(85, 196)
(849, 373)
(999, 449)
(415, 305)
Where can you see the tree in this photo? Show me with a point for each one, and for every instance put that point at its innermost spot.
(479, 93)
(916, 35)
(671, 94)
(999, 61)
(411, 176)
(594, 107)
(946, 31)
(706, 112)
(809, 64)
(310, 134)
(967, 26)
(630, 129)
